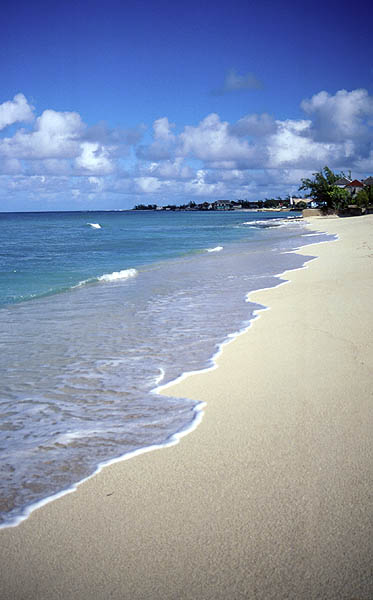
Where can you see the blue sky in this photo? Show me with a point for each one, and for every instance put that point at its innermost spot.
(106, 105)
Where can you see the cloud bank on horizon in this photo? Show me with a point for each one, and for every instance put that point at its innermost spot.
(57, 158)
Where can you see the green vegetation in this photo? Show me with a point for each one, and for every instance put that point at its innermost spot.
(275, 202)
(332, 197)
(364, 197)
(301, 205)
(145, 207)
(323, 190)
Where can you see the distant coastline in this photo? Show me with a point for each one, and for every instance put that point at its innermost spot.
(271, 205)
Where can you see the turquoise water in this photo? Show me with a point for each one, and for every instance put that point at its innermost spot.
(98, 309)
(44, 253)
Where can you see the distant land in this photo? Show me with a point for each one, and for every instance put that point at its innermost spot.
(269, 204)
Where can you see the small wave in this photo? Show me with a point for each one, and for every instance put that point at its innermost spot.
(95, 225)
(217, 249)
(263, 221)
(117, 275)
(277, 222)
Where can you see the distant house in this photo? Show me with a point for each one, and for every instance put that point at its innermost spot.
(223, 205)
(354, 186)
(205, 206)
(342, 182)
(368, 181)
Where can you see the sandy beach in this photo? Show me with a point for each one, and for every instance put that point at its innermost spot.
(270, 497)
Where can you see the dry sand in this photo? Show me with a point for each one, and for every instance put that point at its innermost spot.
(270, 497)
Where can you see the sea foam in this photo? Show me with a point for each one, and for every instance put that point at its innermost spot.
(217, 249)
(273, 222)
(95, 225)
(117, 275)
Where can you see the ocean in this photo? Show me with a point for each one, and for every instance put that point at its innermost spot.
(99, 309)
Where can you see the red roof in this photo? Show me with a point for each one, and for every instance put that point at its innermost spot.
(355, 183)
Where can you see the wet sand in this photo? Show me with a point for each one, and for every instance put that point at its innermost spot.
(270, 497)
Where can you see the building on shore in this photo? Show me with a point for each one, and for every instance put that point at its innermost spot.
(223, 205)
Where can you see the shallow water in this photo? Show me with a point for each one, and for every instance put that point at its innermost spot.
(151, 300)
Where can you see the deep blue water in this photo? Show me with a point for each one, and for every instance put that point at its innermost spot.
(96, 309)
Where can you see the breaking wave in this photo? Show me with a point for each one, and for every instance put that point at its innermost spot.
(117, 275)
(270, 223)
(217, 249)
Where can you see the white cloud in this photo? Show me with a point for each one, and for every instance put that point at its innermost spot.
(168, 169)
(162, 130)
(164, 140)
(15, 110)
(147, 184)
(56, 135)
(211, 140)
(291, 145)
(94, 158)
(199, 187)
(338, 133)
(346, 115)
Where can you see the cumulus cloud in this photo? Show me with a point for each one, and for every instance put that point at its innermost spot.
(61, 143)
(291, 145)
(94, 158)
(16, 110)
(338, 132)
(234, 83)
(56, 135)
(147, 184)
(164, 141)
(162, 130)
(346, 115)
(199, 186)
(211, 140)
(254, 125)
(168, 169)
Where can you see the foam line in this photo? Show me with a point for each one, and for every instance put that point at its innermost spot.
(170, 441)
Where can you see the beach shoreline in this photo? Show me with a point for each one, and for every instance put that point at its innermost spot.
(270, 496)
